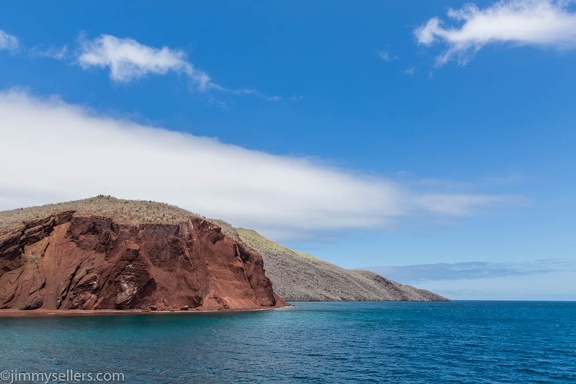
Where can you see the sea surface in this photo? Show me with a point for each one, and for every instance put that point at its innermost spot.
(458, 342)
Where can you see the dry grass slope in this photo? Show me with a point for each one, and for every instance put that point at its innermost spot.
(122, 211)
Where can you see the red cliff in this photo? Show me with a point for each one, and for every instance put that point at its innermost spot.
(69, 260)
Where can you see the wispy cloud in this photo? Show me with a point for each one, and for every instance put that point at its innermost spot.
(52, 52)
(457, 204)
(545, 279)
(67, 152)
(473, 270)
(543, 23)
(277, 99)
(8, 42)
(410, 71)
(296, 98)
(386, 56)
(128, 60)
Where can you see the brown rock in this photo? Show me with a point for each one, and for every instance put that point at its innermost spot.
(77, 261)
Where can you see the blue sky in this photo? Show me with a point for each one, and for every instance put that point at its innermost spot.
(406, 134)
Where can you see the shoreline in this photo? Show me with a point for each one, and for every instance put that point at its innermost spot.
(17, 313)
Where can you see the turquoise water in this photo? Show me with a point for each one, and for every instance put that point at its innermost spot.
(459, 342)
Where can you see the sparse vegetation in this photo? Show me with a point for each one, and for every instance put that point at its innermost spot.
(34, 257)
(122, 211)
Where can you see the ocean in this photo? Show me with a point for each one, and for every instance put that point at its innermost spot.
(457, 342)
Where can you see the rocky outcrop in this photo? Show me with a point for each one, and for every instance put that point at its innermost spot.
(70, 260)
(301, 277)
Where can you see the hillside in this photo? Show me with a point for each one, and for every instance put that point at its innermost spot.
(106, 253)
(300, 277)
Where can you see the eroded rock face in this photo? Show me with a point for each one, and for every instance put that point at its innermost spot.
(69, 261)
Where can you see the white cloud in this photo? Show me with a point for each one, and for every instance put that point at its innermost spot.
(52, 151)
(7, 41)
(128, 60)
(543, 23)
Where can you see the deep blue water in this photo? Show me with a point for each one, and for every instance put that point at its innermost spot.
(459, 342)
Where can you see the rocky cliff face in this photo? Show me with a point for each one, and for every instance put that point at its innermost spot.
(300, 277)
(70, 260)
